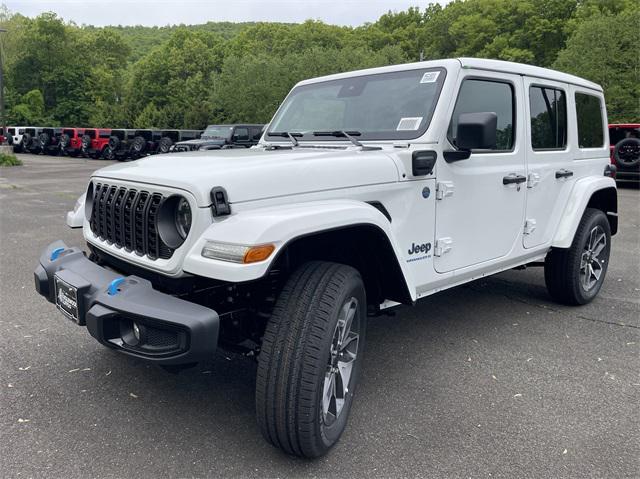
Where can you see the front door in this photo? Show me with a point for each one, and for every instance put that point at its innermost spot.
(480, 214)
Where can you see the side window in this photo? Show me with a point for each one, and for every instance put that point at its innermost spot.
(256, 133)
(590, 125)
(241, 134)
(487, 96)
(548, 118)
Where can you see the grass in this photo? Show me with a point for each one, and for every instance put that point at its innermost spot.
(9, 160)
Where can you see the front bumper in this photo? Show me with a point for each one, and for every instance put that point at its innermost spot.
(171, 331)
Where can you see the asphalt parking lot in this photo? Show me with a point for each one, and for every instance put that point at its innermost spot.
(491, 379)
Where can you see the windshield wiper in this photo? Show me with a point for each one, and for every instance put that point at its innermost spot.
(286, 134)
(349, 135)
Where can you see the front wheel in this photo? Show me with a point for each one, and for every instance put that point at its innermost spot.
(574, 276)
(311, 357)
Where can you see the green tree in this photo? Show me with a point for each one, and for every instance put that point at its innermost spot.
(30, 110)
(604, 49)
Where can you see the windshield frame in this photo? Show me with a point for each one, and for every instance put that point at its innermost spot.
(365, 136)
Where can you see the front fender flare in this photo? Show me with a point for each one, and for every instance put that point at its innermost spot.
(279, 225)
(581, 193)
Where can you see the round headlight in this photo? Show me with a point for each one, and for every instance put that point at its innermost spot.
(183, 218)
(174, 221)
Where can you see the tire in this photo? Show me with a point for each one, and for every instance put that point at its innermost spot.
(114, 142)
(64, 141)
(165, 145)
(86, 143)
(138, 146)
(574, 276)
(108, 153)
(44, 140)
(26, 141)
(627, 152)
(298, 359)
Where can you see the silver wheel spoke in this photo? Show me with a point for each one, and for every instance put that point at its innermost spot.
(601, 242)
(329, 392)
(342, 355)
(590, 264)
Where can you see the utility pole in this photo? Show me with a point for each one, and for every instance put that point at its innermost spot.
(2, 119)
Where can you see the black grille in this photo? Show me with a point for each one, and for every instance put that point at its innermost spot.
(127, 218)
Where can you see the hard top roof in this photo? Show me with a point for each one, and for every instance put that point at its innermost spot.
(477, 63)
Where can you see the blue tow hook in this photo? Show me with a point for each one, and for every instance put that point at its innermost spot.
(112, 290)
(55, 253)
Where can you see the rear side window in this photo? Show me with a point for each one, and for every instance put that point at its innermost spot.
(487, 96)
(590, 125)
(548, 118)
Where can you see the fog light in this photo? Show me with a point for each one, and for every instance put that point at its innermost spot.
(136, 331)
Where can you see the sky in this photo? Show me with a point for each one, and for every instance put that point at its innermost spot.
(165, 12)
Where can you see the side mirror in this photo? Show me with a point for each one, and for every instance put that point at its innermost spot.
(477, 131)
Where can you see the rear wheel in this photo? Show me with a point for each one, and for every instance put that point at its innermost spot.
(574, 276)
(311, 357)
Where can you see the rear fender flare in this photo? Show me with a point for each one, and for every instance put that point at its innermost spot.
(581, 196)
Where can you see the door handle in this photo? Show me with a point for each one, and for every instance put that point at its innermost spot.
(563, 174)
(513, 179)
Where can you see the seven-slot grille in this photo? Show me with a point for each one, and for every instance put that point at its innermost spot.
(127, 218)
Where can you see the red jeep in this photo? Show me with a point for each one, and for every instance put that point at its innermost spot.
(624, 140)
(94, 141)
(71, 141)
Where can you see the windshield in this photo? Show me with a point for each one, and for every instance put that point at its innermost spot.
(383, 106)
(214, 131)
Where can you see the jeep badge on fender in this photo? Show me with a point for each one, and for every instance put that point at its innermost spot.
(318, 219)
(420, 248)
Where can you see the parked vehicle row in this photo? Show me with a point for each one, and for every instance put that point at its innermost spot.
(128, 144)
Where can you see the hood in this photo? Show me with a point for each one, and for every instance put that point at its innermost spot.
(253, 174)
(202, 141)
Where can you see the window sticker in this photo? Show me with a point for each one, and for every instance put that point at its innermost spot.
(409, 123)
(429, 77)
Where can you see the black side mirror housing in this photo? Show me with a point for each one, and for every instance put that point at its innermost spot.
(422, 162)
(477, 131)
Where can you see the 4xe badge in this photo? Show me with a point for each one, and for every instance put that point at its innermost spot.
(419, 251)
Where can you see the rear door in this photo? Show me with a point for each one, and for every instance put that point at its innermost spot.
(480, 207)
(550, 174)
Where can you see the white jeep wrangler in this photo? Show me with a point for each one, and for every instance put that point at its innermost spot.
(368, 189)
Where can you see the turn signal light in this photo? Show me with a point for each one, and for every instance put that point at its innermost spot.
(258, 253)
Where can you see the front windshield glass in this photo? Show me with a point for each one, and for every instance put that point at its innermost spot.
(214, 131)
(383, 106)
